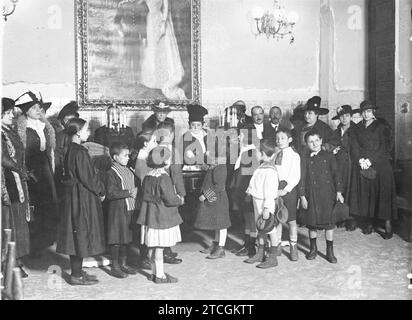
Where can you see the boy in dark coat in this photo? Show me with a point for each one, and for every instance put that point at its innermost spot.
(121, 192)
(320, 188)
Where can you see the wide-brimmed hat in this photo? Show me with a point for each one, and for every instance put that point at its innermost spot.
(346, 109)
(69, 109)
(44, 105)
(196, 112)
(365, 105)
(161, 107)
(6, 104)
(31, 100)
(313, 104)
(266, 225)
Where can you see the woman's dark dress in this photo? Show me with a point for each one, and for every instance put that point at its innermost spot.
(343, 158)
(373, 198)
(42, 192)
(81, 230)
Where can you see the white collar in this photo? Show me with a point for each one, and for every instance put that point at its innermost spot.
(312, 154)
(35, 124)
(274, 126)
(157, 172)
(260, 126)
(199, 136)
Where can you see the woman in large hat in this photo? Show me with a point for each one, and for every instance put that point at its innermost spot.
(15, 175)
(194, 140)
(38, 138)
(312, 111)
(342, 139)
(372, 194)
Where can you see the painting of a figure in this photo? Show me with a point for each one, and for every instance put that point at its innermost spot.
(139, 50)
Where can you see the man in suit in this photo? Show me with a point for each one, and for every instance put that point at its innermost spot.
(258, 116)
(270, 129)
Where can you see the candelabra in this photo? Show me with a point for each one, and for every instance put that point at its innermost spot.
(117, 118)
(277, 25)
(9, 9)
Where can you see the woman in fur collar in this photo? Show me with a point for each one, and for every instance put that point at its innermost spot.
(39, 141)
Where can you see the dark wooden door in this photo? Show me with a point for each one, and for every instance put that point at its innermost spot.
(381, 24)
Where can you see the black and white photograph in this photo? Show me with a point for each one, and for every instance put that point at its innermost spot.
(208, 156)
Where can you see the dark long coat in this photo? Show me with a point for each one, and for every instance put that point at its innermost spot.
(106, 136)
(159, 204)
(320, 180)
(119, 219)
(343, 157)
(41, 185)
(373, 198)
(299, 133)
(151, 123)
(214, 215)
(18, 212)
(81, 229)
(270, 133)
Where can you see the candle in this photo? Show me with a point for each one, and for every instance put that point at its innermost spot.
(110, 119)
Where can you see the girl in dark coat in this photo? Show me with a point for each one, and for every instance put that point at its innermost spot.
(121, 195)
(342, 139)
(372, 196)
(81, 232)
(320, 188)
(38, 138)
(159, 213)
(213, 210)
(15, 175)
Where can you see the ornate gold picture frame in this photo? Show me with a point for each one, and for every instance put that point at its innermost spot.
(136, 52)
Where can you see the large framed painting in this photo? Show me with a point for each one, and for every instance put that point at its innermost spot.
(136, 52)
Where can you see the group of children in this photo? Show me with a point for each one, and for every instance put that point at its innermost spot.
(149, 197)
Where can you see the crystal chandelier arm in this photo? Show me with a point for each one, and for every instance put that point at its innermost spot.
(5, 15)
(257, 25)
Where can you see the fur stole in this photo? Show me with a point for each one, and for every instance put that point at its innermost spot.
(50, 136)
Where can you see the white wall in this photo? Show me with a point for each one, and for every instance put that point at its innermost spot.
(327, 58)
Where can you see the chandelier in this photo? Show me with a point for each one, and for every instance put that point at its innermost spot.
(277, 24)
(9, 9)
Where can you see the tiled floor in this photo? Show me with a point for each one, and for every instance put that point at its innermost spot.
(368, 268)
